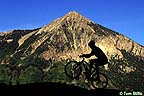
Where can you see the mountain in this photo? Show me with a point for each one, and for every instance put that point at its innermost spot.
(42, 52)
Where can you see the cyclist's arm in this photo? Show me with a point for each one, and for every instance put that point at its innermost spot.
(87, 55)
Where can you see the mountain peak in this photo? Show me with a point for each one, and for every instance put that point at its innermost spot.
(75, 16)
(71, 19)
(73, 13)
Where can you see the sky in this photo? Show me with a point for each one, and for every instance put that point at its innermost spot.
(123, 16)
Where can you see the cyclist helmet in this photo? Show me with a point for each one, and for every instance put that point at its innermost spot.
(91, 43)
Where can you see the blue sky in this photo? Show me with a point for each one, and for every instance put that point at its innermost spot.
(123, 16)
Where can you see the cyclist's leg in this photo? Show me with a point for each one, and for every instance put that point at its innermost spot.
(96, 63)
(92, 62)
(99, 63)
(97, 70)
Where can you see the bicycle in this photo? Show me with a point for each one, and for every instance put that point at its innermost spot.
(73, 70)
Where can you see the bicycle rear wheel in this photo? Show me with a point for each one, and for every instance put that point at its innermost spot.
(73, 69)
(99, 84)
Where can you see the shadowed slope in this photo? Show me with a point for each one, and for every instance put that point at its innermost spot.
(55, 89)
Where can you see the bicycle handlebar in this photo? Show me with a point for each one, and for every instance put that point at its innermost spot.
(83, 58)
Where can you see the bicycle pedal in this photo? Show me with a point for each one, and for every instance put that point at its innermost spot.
(96, 79)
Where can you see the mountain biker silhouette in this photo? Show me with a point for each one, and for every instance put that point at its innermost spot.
(101, 57)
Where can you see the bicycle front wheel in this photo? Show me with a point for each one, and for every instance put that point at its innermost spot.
(73, 69)
(102, 83)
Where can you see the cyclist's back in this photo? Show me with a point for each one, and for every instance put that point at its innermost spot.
(101, 57)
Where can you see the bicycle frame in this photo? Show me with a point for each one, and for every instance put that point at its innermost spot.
(84, 65)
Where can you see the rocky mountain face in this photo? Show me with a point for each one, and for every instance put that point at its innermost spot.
(67, 37)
